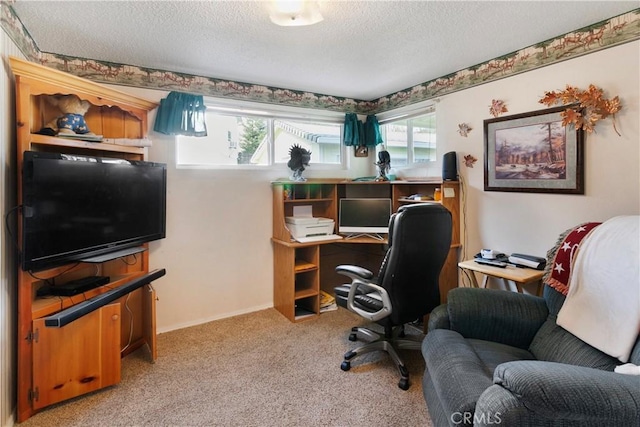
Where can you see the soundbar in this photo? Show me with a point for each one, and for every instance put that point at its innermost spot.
(67, 316)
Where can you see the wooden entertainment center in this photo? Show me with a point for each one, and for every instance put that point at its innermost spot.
(59, 363)
(301, 270)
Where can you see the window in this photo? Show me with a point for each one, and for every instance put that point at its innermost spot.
(410, 140)
(322, 139)
(261, 139)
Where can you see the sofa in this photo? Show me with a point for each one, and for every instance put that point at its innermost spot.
(494, 357)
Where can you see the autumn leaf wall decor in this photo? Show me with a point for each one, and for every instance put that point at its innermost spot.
(464, 129)
(469, 160)
(497, 107)
(589, 106)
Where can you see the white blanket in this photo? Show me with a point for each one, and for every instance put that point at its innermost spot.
(603, 304)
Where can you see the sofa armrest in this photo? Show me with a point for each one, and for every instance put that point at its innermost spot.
(558, 391)
(439, 318)
(496, 315)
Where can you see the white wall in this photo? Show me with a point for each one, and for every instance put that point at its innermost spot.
(527, 222)
(218, 251)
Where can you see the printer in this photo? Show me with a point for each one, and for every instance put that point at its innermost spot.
(309, 226)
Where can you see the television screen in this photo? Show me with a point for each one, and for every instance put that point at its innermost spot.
(76, 207)
(364, 215)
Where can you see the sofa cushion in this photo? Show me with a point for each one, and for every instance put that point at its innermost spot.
(461, 369)
(553, 344)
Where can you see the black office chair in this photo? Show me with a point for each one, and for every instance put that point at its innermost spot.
(406, 288)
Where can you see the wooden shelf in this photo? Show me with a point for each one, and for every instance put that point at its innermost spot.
(46, 306)
(61, 143)
(302, 266)
(305, 293)
(406, 200)
(307, 200)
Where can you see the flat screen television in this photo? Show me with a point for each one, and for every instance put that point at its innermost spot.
(78, 207)
(368, 216)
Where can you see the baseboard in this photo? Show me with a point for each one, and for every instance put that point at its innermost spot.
(211, 319)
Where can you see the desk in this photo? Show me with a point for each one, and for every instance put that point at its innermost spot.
(517, 275)
(301, 270)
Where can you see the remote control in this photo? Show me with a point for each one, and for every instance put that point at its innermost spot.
(490, 262)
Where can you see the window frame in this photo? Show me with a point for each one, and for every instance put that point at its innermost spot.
(408, 113)
(270, 113)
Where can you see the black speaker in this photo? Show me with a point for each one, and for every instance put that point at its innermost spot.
(74, 312)
(450, 166)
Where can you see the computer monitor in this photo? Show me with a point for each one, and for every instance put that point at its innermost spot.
(364, 216)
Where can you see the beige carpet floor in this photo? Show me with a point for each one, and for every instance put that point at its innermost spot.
(257, 369)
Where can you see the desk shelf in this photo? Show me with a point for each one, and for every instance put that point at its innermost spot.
(303, 201)
(407, 200)
(302, 266)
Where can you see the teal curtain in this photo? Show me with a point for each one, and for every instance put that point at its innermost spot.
(358, 134)
(353, 134)
(372, 135)
(181, 114)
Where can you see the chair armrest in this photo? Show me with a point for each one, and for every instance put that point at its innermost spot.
(354, 272)
(370, 288)
(496, 315)
(559, 391)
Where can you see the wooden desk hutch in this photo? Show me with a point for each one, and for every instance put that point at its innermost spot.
(55, 364)
(302, 269)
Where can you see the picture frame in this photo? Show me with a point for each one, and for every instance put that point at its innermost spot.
(361, 151)
(534, 153)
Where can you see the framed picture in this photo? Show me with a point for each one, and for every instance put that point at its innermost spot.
(534, 153)
(361, 151)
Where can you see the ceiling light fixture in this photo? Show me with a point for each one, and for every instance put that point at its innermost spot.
(295, 13)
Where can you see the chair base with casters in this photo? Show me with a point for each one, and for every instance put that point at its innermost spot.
(393, 338)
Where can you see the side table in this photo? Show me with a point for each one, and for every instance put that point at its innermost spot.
(519, 276)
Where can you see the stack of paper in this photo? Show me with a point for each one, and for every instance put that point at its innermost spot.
(327, 302)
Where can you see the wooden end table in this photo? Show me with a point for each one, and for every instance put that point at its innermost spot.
(519, 276)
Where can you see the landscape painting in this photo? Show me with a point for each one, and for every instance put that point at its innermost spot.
(533, 152)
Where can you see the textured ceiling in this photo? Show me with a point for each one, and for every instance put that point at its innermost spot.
(362, 49)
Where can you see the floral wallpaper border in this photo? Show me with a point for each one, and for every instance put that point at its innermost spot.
(602, 35)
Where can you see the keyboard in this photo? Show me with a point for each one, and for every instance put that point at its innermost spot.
(322, 238)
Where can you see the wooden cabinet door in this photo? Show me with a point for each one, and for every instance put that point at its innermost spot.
(78, 358)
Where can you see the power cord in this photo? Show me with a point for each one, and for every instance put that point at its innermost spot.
(6, 224)
(463, 193)
(126, 306)
(135, 260)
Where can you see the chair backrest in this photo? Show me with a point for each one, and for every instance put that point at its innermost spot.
(419, 242)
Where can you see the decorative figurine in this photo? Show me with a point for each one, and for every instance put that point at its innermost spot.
(71, 121)
(300, 158)
(384, 164)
